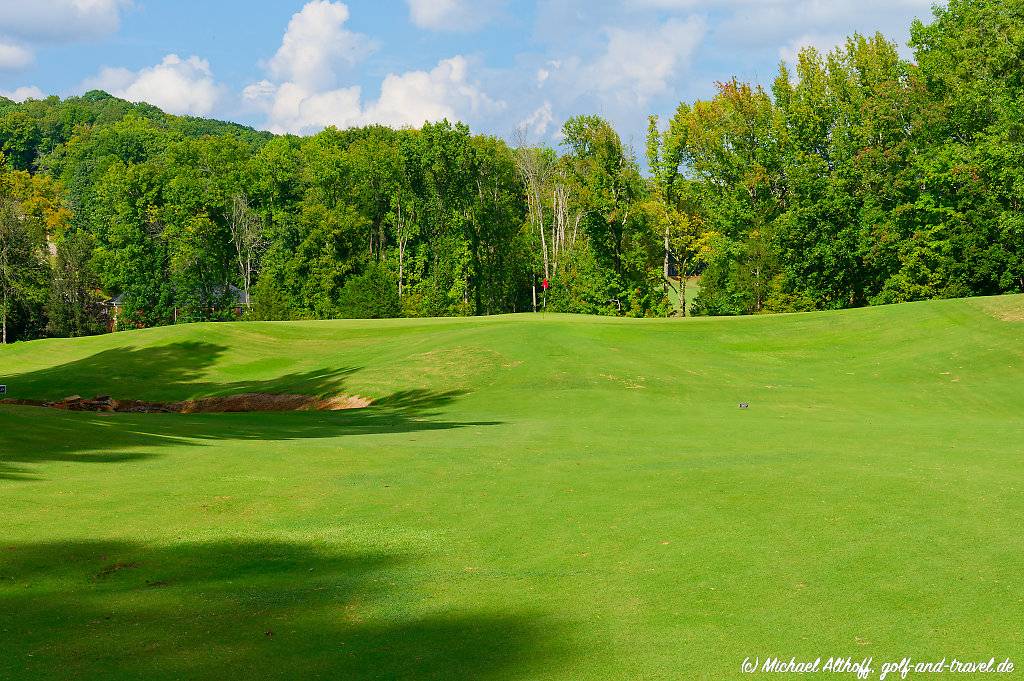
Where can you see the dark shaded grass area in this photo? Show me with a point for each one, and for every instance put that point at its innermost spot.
(240, 610)
(167, 372)
(33, 435)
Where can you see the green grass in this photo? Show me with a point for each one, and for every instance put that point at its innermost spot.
(533, 497)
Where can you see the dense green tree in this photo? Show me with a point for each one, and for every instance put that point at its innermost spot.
(733, 150)
(670, 206)
(132, 256)
(969, 212)
(270, 302)
(373, 294)
(607, 188)
(497, 248)
(74, 303)
(23, 268)
(19, 138)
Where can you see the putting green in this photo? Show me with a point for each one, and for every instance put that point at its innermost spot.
(530, 497)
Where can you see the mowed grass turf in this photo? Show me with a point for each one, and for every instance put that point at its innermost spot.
(531, 498)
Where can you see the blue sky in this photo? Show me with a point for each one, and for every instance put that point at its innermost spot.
(500, 65)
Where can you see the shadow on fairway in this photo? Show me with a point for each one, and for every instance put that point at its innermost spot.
(32, 435)
(166, 372)
(242, 610)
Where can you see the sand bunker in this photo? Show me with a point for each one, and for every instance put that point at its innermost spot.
(205, 405)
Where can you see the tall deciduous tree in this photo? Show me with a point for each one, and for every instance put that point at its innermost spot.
(22, 268)
(74, 303)
(248, 238)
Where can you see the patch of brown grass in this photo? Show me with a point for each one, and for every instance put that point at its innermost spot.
(267, 402)
(1005, 308)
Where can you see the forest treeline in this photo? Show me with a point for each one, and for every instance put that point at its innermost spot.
(857, 178)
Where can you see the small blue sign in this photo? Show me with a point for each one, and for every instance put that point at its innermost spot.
(3, 389)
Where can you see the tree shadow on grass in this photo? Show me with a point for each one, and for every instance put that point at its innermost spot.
(33, 435)
(245, 610)
(176, 371)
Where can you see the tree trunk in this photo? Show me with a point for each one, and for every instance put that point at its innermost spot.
(667, 253)
(682, 292)
(400, 235)
(543, 241)
(401, 265)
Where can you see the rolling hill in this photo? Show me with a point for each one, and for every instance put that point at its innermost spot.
(529, 497)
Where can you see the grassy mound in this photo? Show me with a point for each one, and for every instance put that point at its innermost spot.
(527, 497)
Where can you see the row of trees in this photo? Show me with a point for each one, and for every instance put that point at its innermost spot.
(176, 218)
(860, 178)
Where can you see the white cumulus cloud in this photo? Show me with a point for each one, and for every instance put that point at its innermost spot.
(821, 7)
(407, 99)
(316, 44)
(20, 94)
(415, 97)
(292, 108)
(601, 57)
(14, 57)
(454, 15)
(640, 63)
(302, 92)
(176, 85)
(61, 20)
(538, 122)
(781, 22)
(26, 24)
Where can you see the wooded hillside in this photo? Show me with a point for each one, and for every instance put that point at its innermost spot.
(857, 178)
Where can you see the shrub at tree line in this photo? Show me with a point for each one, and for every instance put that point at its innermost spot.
(860, 178)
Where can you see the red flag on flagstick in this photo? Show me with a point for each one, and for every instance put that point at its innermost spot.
(545, 285)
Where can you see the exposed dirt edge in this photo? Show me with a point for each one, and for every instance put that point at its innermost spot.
(246, 402)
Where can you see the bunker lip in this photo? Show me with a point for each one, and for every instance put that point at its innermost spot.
(246, 402)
